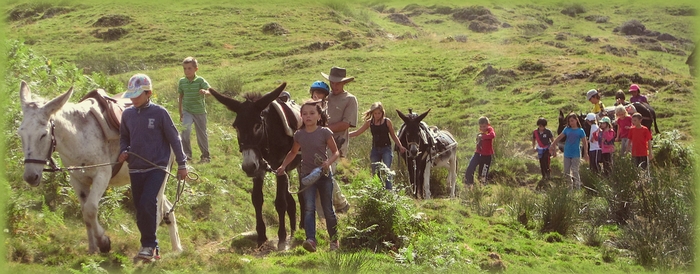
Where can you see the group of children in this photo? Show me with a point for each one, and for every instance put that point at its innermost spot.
(600, 143)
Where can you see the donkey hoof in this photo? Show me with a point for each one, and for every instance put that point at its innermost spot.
(281, 245)
(262, 241)
(105, 245)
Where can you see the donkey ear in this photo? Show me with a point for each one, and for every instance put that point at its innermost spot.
(561, 114)
(57, 103)
(420, 117)
(269, 97)
(229, 102)
(25, 95)
(402, 116)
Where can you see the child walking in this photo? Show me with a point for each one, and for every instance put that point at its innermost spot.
(640, 142)
(148, 131)
(483, 154)
(624, 123)
(314, 139)
(606, 140)
(542, 138)
(381, 128)
(595, 154)
(572, 151)
(192, 89)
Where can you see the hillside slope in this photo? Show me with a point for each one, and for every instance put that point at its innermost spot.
(510, 62)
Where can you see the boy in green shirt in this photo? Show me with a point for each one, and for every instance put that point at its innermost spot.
(192, 90)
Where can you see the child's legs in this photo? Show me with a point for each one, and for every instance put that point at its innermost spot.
(145, 188)
(187, 121)
(544, 163)
(200, 126)
(387, 158)
(594, 160)
(374, 156)
(624, 144)
(567, 168)
(469, 173)
(309, 207)
(607, 163)
(575, 164)
(484, 166)
(640, 161)
(325, 190)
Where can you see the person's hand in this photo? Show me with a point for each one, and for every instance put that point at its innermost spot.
(123, 156)
(651, 156)
(204, 92)
(585, 157)
(617, 139)
(182, 174)
(325, 165)
(402, 149)
(280, 170)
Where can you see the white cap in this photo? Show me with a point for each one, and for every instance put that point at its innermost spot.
(590, 117)
(591, 93)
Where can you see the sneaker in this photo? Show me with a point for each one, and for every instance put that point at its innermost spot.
(149, 253)
(204, 160)
(335, 245)
(309, 245)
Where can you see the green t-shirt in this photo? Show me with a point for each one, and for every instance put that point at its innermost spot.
(192, 100)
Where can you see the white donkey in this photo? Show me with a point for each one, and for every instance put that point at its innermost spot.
(74, 131)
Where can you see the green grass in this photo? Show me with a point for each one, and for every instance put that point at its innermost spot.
(47, 234)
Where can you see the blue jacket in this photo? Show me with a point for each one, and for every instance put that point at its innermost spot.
(150, 132)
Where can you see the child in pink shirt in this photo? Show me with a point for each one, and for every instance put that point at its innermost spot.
(606, 139)
(624, 123)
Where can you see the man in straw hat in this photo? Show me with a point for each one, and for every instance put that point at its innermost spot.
(342, 112)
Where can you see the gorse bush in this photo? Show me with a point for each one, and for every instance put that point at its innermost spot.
(384, 220)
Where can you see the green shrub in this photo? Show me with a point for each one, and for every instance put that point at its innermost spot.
(669, 152)
(559, 210)
(383, 220)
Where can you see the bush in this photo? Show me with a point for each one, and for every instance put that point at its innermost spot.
(669, 152)
(632, 27)
(559, 211)
(384, 220)
(573, 9)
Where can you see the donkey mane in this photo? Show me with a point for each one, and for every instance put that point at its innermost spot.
(252, 96)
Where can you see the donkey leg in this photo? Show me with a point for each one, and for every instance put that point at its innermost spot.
(257, 197)
(452, 175)
(170, 220)
(281, 207)
(90, 206)
(426, 180)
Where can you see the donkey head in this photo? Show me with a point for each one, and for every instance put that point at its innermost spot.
(411, 137)
(36, 132)
(250, 126)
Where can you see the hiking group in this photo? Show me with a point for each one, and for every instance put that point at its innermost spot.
(323, 138)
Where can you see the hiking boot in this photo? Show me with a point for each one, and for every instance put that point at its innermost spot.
(204, 160)
(343, 209)
(309, 245)
(334, 245)
(149, 253)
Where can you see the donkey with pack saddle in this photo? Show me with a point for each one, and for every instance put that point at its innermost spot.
(86, 137)
(426, 147)
(265, 128)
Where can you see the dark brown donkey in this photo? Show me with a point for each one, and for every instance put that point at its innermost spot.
(264, 144)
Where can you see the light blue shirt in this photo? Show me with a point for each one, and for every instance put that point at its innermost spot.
(572, 147)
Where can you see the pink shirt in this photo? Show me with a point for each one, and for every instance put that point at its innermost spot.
(606, 140)
(624, 125)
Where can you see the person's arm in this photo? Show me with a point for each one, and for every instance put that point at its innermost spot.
(288, 159)
(393, 136)
(204, 87)
(339, 126)
(330, 142)
(124, 141)
(348, 119)
(585, 147)
(534, 141)
(553, 147)
(173, 138)
(359, 131)
(489, 135)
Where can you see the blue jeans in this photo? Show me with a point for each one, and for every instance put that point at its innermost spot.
(324, 186)
(144, 188)
(385, 155)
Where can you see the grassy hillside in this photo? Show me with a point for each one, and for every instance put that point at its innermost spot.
(510, 62)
